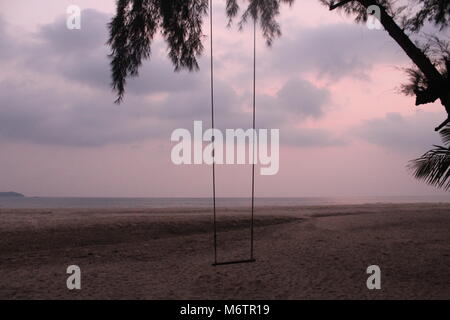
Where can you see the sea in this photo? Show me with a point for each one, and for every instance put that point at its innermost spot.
(72, 202)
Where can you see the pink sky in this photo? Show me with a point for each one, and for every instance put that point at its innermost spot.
(369, 130)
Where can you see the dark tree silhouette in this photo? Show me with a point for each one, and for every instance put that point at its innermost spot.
(180, 22)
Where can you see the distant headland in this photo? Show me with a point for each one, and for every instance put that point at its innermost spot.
(11, 194)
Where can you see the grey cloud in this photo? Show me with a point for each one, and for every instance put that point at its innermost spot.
(36, 112)
(45, 117)
(303, 99)
(297, 101)
(334, 51)
(155, 77)
(307, 137)
(82, 56)
(413, 133)
(8, 45)
(195, 104)
(91, 36)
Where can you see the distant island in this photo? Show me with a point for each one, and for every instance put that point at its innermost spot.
(11, 194)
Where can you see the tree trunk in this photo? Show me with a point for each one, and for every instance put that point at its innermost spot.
(434, 77)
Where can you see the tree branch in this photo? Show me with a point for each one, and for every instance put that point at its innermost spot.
(339, 4)
(438, 87)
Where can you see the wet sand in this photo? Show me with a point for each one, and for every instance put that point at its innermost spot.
(319, 252)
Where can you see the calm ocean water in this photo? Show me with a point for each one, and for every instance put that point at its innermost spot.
(40, 202)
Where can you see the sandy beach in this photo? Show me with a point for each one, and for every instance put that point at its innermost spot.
(319, 252)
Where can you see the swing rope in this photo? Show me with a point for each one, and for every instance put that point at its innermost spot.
(253, 142)
(213, 141)
(212, 126)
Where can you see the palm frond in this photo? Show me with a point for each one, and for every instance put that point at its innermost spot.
(433, 167)
(445, 135)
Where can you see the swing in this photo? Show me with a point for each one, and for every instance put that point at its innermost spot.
(251, 258)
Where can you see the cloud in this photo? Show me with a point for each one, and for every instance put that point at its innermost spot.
(37, 113)
(40, 115)
(5, 40)
(82, 56)
(92, 36)
(413, 133)
(65, 99)
(335, 51)
(303, 99)
(308, 137)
